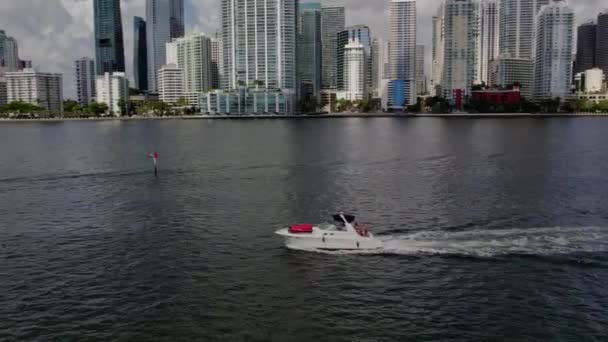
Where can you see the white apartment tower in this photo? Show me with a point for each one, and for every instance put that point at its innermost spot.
(437, 51)
(460, 47)
(354, 70)
(112, 89)
(553, 46)
(517, 26)
(259, 38)
(192, 54)
(171, 84)
(85, 80)
(402, 25)
(488, 38)
(37, 88)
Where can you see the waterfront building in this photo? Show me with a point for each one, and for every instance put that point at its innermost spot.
(329, 98)
(109, 46)
(38, 88)
(553, 51)
(85, 80)
(517, 26)
(601, 48)
(361, 33)
(437, 51)
(498, 96)
(140, 54)
(590, 81)
(402, 26)
(113, 90)
(461, 37)
(192, 54)
(421, 87)
(355, 65)
(488, 38)
(163, 20)
(247, 101)
(171, 84)
(506, 71)
(309, 54)
(585, 47)
(259, 41)
(9, 53)
(333, 20)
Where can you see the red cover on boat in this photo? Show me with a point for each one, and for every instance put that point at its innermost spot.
(300, 228)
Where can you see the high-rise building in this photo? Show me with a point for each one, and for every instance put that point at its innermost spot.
(601, 47)
(177, 19)
(333, 20)
(506, 71)
(37, 88)
(164, 21)
(259, 40)
(402, 26)
(421, 87)
(488, 37)
(217, 61)
(193, 57)
(553, 40)
(309, 50)
(85, 80)
(113, 90)
(109, 48)
(171, 83)
(9, 53)
(363, 34)
(585, 47)
(379, 60)
(517, 26)
(140, 54)
(461, 31)
(354, 65)
(438, 51)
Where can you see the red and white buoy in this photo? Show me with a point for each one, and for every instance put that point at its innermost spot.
(154, 156)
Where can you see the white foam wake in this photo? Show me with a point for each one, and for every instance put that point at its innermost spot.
(488, 243)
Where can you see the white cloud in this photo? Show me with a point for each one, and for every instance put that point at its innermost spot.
(54, 33)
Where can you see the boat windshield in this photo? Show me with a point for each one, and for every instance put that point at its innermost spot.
(329, 226)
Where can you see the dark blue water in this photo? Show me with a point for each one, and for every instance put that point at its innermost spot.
(493, 230)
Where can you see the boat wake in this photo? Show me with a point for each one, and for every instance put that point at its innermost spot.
(490, 243)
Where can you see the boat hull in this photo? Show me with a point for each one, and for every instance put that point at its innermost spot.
(324, 240)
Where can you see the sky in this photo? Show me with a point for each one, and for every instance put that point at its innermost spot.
(54, 33)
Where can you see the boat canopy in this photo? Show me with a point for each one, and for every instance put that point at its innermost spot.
(349, 218)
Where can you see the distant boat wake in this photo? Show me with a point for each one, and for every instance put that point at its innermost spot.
(489, 243)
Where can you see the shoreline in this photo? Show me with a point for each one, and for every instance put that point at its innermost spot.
(321, 116)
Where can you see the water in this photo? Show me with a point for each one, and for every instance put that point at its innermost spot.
(493, 230)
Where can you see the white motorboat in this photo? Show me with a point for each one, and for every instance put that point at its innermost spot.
(345, 234)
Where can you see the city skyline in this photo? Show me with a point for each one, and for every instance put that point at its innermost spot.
(54, 44)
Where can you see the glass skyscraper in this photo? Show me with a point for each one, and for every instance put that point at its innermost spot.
(140, 54)
(333, 20)
(109, 48)
(309, 47)
(402, 24)
(164, 21)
